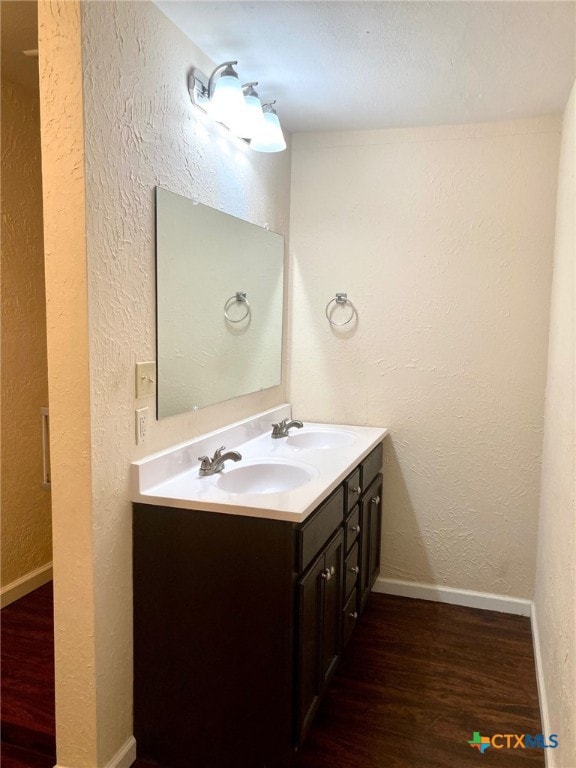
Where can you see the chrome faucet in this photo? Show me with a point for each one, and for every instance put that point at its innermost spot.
(216, 463)
(281, 429)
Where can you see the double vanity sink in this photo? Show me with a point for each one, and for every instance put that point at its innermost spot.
(282, 479)
(248, 583)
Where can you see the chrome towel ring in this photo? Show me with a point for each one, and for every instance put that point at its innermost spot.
(239, 296)
(342, 299)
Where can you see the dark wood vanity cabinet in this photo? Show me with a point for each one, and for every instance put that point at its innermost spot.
(239, 623)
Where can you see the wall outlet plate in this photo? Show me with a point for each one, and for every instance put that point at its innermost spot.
(141, 425)
(145, 379)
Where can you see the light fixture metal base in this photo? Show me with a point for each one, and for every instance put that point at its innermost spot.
(198, 89)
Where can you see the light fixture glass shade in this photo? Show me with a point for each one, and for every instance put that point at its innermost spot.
(270, 138)
(227, 100)
(250, 122)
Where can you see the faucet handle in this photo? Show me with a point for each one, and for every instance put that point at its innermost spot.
(279, 428)
(205, 461)
(218, 452)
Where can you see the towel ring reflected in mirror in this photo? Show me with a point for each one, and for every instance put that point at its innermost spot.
(340, 299)
(239, 297)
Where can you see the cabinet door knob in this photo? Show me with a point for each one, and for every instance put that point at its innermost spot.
(375, 500)
(354, 569)
(353, 615)
(355, 528)
(327, 573)
(357, 490)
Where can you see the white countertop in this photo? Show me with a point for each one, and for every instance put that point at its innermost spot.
(170, 478)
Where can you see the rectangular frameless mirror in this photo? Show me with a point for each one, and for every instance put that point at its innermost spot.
(219, 291)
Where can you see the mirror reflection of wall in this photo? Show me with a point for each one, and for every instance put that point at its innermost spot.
(204, 257)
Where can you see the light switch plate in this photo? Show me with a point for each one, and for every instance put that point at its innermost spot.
(145, 379)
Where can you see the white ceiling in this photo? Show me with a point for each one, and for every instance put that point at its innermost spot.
(362, 65)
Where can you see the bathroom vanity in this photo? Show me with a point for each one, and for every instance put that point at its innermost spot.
(244, 601)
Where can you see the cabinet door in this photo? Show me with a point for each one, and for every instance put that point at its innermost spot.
(375, 502)
(310, 594)
(320, 606)
(349, 616)
(332, 606)
(351, 571)
(370, 532)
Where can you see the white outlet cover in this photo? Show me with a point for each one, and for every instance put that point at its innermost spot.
(141, 424)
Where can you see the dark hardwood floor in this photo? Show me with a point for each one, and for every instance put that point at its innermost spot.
(416, 681)
(27, 708)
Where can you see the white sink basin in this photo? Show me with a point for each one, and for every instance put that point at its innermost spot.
(265, 477)
(320, 439)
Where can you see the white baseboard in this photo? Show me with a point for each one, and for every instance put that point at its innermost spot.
(124, 758)
(540, 682)
(25, 584)
(484, 600)
(125, 755)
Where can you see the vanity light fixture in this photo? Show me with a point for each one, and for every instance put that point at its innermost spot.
(237, 107)
(270, 137)
(249, 121)
(226, 99)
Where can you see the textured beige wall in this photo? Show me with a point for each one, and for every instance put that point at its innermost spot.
(443, 239)
(555, 586)
(139, 129)
(77, 667)
(142, 130)
(26, 513)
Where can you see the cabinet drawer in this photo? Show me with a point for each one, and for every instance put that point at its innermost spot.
(352, 528)
(352, 489)
(312, 536)
(349, 617)
(351, 571)
(371, 466)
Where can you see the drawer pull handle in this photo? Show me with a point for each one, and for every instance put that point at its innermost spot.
(375, 500)
(355, 528)
(355, 569)
(357, 490)
(353, 615)
(327, 573)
